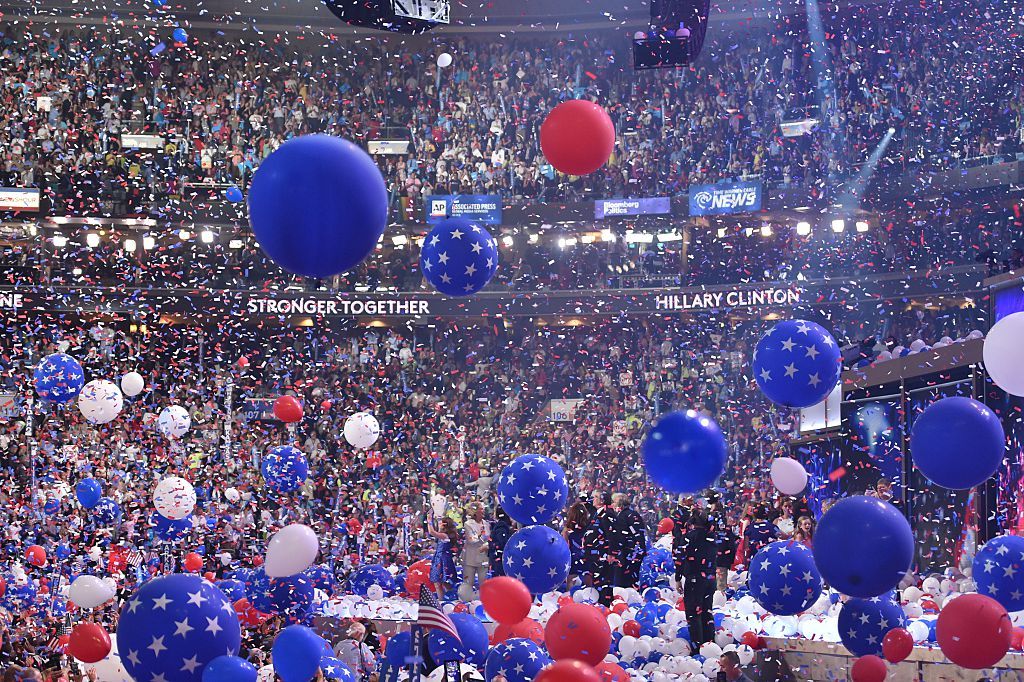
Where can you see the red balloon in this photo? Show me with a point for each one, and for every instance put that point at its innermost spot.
(193, 562)
(974, 631)
(579, 632)
(288, 409)
(665, 526)
(611, 672)
(631, 628)
(505, 599)
(461, 607)
(577, 137)
(325, 405)
(89, 643)
(897, 645)
(243, 362)
(257, 561)
(619, 607)
(209, 576)
(248, 614)
(568, 671)
(1017, 639)
(418, 575)
(527, 628)
(868, 669)
(3, 586)
(750, 639)
(36, 555)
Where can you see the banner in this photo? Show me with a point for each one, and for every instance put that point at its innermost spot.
(10, 406)
(564, 409)
(608, 208)
(485, 208)
(725, 197)
(19, 199)
(258, 409)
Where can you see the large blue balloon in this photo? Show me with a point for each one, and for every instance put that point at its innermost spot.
(318, 205)
(517, 660)
(783, 578)
(322, 578)
(459, 257)
(532, 489)
(229, 669)
(371, 574)
(52, 506)
(291, 596)
(863, 546)
(18, 597)
(657, 568)
(284, 468)
(539, 557)
(88, 491)
(685, 452)
(58, 378)
(233, 589)
(169, 529)
(233, 194)
(473, 647)
(946, 431)
(333, 669)
(399, 648)
(173, 626)
(296, 654)
(864, 622)
(797, 363)
(107, 512)
(999, 571)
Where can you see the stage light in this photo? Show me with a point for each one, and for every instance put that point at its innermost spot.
(148, 242)
(130, 245)
(803, 228)
(507, 240)
(565, 242)
(862, 226)
(92, 240)
(206, 236)
(399, 240)
(235, 244)
(607, 235)
(60, 241)
(838, 225)
(766, 230)
(749, 231)
(533, 238)
(639, 237)
(721, 233)
(184, 234)
(665, 237)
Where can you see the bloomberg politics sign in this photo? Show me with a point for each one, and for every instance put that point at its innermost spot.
(725, 197)
(485, 208)
(608, 208)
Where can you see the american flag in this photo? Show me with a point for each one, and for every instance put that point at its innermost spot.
(431, 615)
(134, 558)
(64, 629)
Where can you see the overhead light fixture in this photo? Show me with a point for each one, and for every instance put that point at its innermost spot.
(399, 240)
(184, 234)
(664, 237)
(607, 235)
(206, 236)
(721, 233)
(533, 238)
(148, 242)
(92, 240)
(565, 242)
(60, 241)
(507, 240)
(862, 226)
(639, 237)
(587, 239)
(803, 228)
(130, 245)
(838, 225)
(749, 231)
(235, 244)
(766, 230)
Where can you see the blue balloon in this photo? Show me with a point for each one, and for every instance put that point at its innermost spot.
(656, 569)
(58, 378)
(180, 35)
(999, 571)
(18, 597)
(171, 530)
(517, 660)
(318, 205)
(173, 626)
(797, 363)
(864, 622)
(291, 596)
(459, 257)
(107, 511)
(296, 654)
(783, 578)
(946, 430)
(399, 648)
(233, 589)
(322, 578)
(685, 452)
(333, 669)
(52, 506)
(372, 574)
(229, 669)
(88, 492)
(532, 489)
(539, 557)
(63, 551)
(284, 468)
(863, 546)
(473, 647)
(233, 194)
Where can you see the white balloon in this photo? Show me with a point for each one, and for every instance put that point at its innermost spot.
(913, 609)
(132, 384)
(931, 585)
(1003, 353)
(917, 345)
(912, 593)
(444, 60)
(373, 592)
(292, 550)
(174, 498)
(95, 552)
(232, 495)
(710, 650)
(918, 629)
(362, 430)
(711, 667)
(884, 356)
(788, 476)
(100, 401)
(88, 591)
(627, 647)
(745, 653)
(174, 421)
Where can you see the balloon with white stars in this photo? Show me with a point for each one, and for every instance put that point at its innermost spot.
(863, 623)
(58, 378)
(539, 557)
(783, 578)
(532, 489)
(797, 363)
(459, 257)
(173, 626)
(999, 571)
(517, 660)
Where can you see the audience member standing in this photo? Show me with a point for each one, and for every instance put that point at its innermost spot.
(698, 569)
(474, 556)
(597, 545)
(630, 542)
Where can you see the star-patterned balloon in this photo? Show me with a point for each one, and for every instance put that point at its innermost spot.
(106, 512)
(333, 669)
(291, 597)
(459, 257)
(532, 489)
(539, 557)
(284, 468)
(517, 660)
(58, 378)
(864, 622)
(173, 626)
(797, 363)
(999, 571)
(373, 574)
(784, 579)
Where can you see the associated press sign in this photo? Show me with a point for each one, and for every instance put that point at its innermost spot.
(485, 208)
(725, 198)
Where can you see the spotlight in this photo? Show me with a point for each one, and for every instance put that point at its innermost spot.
(235, 244)
(721, 233)
(399, 240)
(892, 131)
(803, 228)
(148, 242)
(862, 226)
(749, 231)
(766, 230)
(838, 225)
(130, 245)
(60, 241)
(184, 234)
(206, 236)
(507, 240)
(92, 240)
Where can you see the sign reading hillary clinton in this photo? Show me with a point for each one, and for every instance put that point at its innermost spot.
(725, 198)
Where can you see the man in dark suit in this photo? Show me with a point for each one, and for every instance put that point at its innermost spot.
(698, 570)
(597, 547)
(630, 543)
